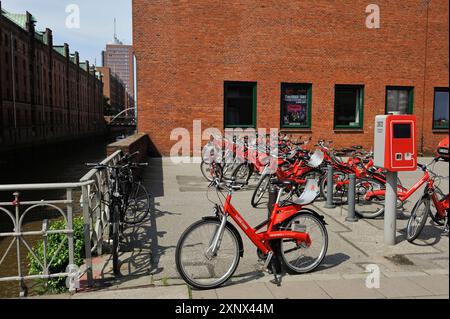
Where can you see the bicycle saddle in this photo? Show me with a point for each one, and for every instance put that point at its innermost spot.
(310, 193)
(283, 182)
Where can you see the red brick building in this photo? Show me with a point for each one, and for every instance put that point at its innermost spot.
(114, 90)
(47, 94)
(309, 68)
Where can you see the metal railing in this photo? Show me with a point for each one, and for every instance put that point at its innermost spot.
(94, 188)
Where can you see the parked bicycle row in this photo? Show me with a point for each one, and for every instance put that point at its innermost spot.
(127, 200)
(294, 237)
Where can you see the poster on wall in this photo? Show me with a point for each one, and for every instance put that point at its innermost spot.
(295, 107)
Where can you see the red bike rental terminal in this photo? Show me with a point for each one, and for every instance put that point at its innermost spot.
(396, 151)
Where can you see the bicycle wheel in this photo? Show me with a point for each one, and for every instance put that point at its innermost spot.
(340, 190)
(196, 266)
(138, 206)
(433, 211)
(115, 239)
(260, 190)
(370, 207)
(211, 170)
(242, 173)
(299, 258)
(418, 219)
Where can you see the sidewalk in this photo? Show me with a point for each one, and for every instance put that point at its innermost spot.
(408, 286)
(407, 270)
(335, 287)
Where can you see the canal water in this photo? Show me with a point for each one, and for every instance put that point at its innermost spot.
(49, 164)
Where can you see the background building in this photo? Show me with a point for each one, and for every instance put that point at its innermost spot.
(120, 59)
(114, 90)
(47, 94)
(310, 68)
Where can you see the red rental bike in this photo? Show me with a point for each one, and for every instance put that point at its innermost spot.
(209, 251)
(371, 203)
(432, 196)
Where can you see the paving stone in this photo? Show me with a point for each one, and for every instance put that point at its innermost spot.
(298, 290)
(172, 292)
(433, 297)
(401, 287)
(245, 291)
(349, 289)
(204, 294)
(438, 285)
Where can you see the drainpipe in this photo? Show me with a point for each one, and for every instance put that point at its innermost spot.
(424, 81)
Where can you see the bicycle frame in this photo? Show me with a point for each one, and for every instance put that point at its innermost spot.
(403, 195)
(262, 239)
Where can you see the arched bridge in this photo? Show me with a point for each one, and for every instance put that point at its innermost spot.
(126, 118)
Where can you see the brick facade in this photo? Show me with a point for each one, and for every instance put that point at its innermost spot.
(47, 94)
(185, 51)
(114, 90)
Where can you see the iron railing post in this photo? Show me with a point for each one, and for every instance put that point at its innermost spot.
(87, 235)
(70, 235)
(17, 231)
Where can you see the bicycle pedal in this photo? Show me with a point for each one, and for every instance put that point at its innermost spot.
(268, 260)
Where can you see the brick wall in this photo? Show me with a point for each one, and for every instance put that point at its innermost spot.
(53, 98)
(186, 50)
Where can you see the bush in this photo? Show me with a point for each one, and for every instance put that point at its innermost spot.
(61, 261)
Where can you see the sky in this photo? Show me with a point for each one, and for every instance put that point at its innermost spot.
(96, 22)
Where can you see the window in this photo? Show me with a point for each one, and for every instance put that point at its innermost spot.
(240, 104)
(399, 99)
(348, 106)
(440, 113)
(295, 105)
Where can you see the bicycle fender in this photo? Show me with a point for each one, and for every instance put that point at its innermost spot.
(233, 229)
(320, 217)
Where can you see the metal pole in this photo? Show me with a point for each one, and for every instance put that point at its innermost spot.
(22, 287)
(70, 226)
(351, 199)
(87, 236)
(272, 199)
(390, 211)
(330, 203)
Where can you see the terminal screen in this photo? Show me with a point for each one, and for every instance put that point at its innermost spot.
(402, 130)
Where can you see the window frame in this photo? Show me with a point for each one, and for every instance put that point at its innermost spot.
(309, 88)
(254, 86)
(410, 90)
(360, 87)
(438, 89)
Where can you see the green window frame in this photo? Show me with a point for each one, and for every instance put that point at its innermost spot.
(284, 104)
(359, 108)
(253, 86)
(410, 91)
(437, 126)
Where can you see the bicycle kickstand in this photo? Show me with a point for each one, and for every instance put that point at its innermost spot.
(446, 226)
(277, 277)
